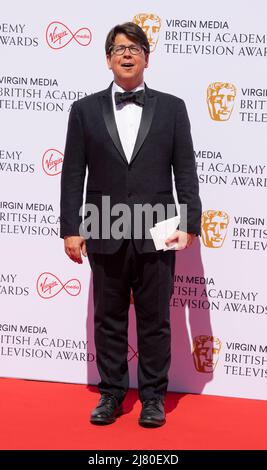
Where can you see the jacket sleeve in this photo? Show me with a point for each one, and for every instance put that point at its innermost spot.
(185, 174)
(73, 176)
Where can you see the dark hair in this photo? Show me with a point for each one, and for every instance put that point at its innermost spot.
(132, 31)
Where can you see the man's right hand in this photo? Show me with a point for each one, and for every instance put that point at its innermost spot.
(74, 247)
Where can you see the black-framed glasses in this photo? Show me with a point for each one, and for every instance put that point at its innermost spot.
(134, 49)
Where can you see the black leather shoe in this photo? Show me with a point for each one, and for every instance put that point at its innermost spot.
(152, 414)
(107, 410)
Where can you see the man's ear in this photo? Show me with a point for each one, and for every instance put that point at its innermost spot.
(146, 60)
(108, 60)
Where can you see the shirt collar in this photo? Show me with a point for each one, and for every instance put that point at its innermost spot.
(116, 87)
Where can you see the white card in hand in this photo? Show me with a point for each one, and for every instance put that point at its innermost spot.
(162, 230)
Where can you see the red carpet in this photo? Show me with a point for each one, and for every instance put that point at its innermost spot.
(45, 415)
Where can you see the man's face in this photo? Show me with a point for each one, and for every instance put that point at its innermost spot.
(221, 104)
(128, 69)
(214, 231)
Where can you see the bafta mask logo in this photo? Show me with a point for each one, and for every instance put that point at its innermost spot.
(206, 350)
(150, 24)
(220, 99)
(214, 228)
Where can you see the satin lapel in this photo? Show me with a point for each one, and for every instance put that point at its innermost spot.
(146, 120)
(110, 122)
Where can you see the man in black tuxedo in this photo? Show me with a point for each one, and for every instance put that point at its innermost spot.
(129, 137)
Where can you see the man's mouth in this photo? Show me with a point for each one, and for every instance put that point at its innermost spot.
(127, 65)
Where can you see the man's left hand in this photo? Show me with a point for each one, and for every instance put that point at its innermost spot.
(181, 239)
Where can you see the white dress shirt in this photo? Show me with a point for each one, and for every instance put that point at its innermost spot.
(127, 117)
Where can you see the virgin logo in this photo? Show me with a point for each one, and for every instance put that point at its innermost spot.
(59, 35)
(48, 285)
(52, 162)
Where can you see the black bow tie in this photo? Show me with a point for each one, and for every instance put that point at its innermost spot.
(137, 97)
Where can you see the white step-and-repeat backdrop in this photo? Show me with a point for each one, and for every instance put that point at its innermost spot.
(214, 56)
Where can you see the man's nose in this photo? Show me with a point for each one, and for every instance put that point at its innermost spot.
(127, 52)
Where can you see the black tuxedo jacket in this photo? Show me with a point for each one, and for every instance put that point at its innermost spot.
(163, 143)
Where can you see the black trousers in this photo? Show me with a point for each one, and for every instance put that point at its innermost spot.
(150, 276)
